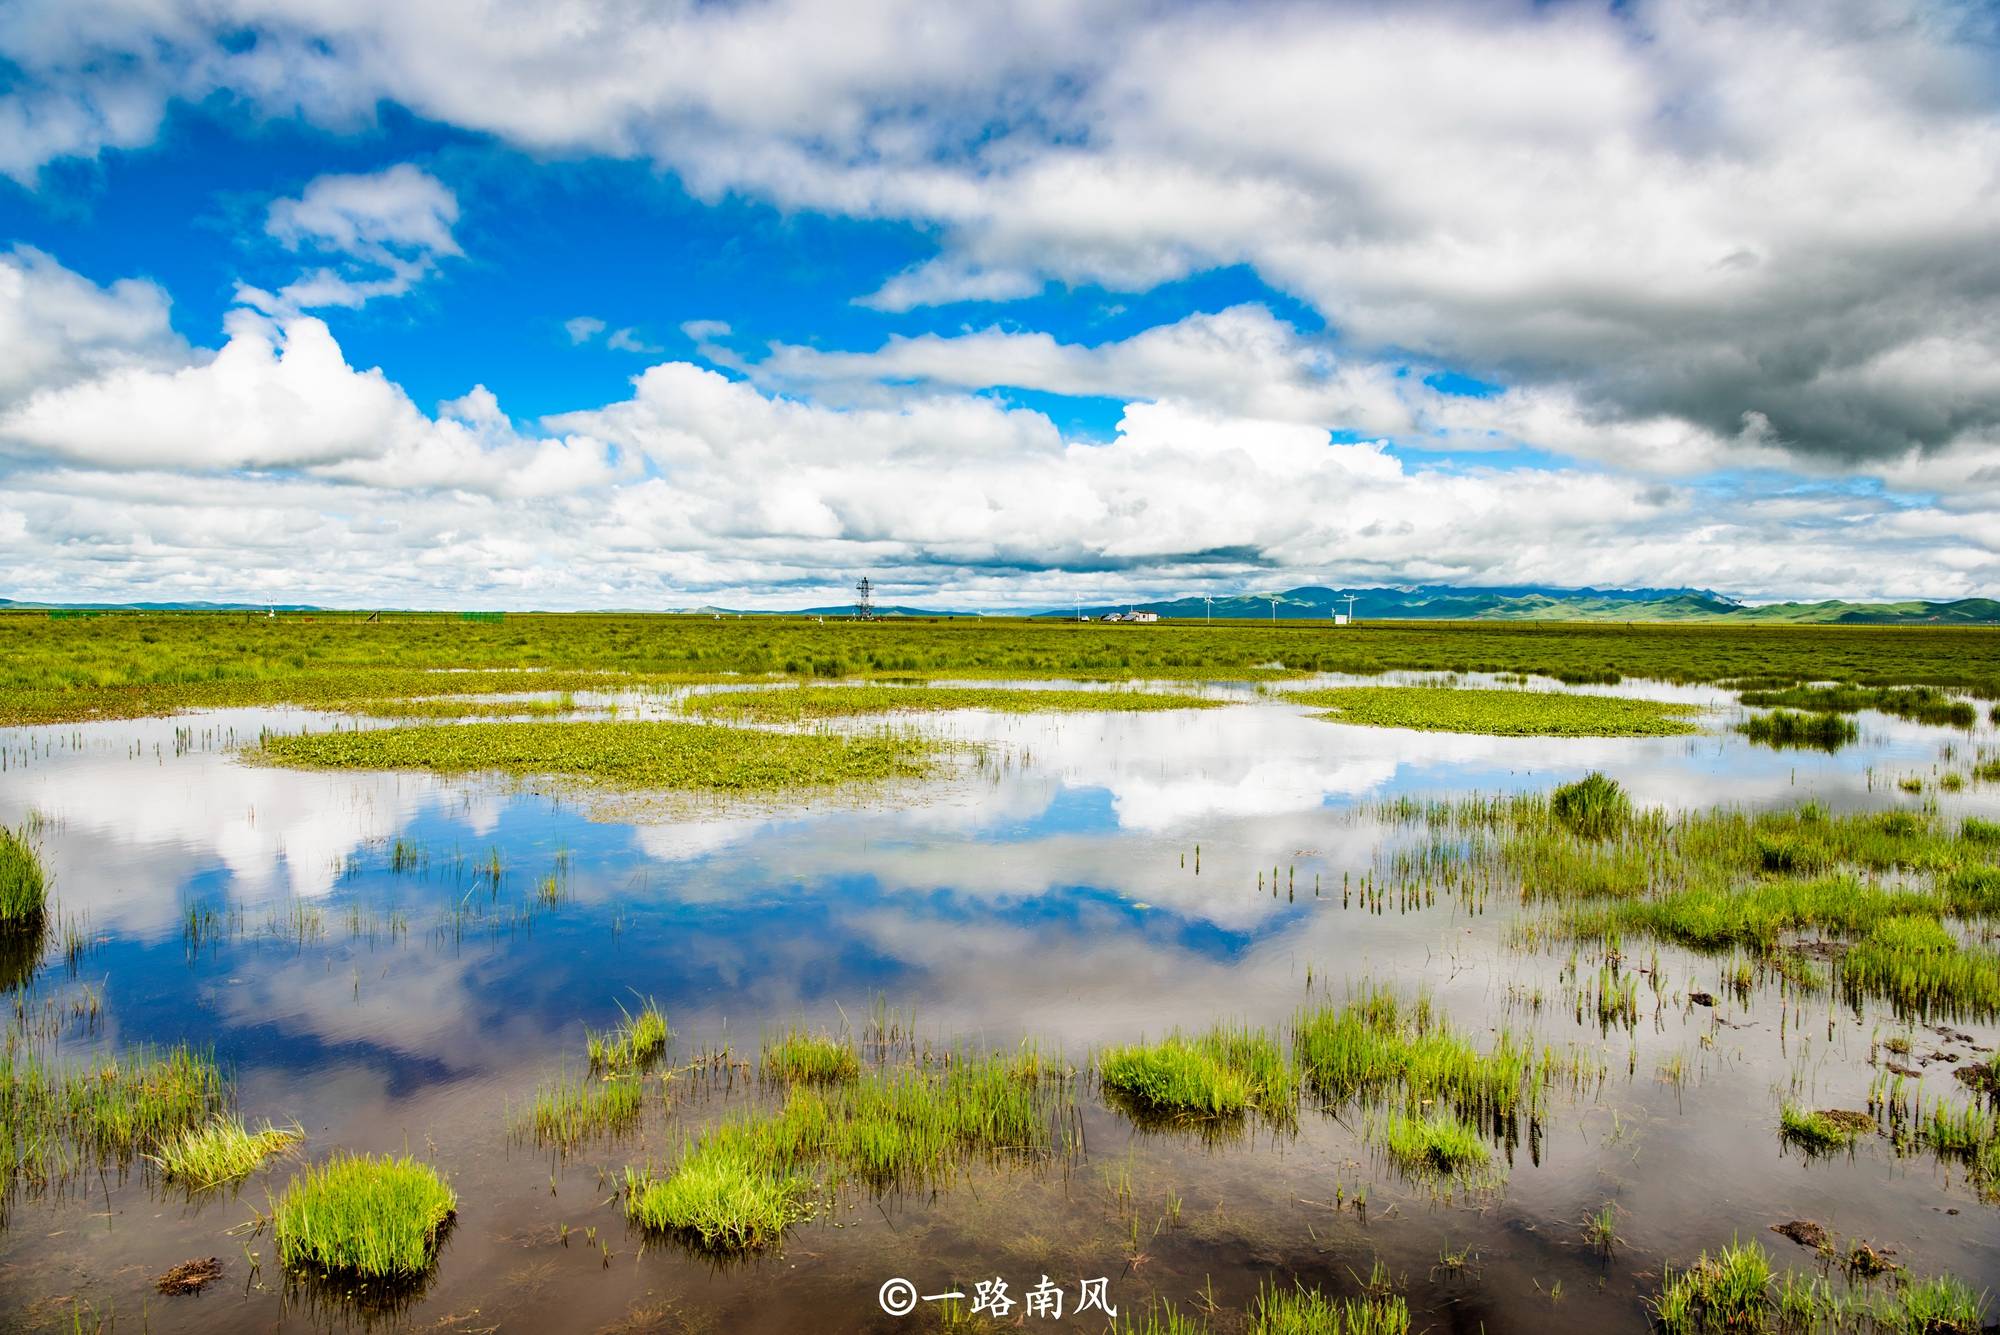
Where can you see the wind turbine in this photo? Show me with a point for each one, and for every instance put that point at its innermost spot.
(1208, 609)
(1275, 598)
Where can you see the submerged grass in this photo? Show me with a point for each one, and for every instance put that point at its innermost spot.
(1503, 713)
(362, 1216)
(1821, 1131)
(684, 756)
(221, 1151)
(568, 1111)
(24, 890)
(1437, 1146)
(793, 704)
(1302, 1311)
(1922, 704)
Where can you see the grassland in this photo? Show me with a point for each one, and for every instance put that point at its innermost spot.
(129, 665)
(798, 704)
(690, 757)
(1503, 713)
(363, 1217)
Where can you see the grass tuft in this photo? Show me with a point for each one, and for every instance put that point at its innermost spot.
(1217, 1074)
(636, 1043)
(796, 1055)
(221, 1151)
(1594, 806)
(1302, 1311)
(362, 1216)
(24, 888)
(1790, 728)
(1438, 1146)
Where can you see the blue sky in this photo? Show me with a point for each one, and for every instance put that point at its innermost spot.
(672, 305)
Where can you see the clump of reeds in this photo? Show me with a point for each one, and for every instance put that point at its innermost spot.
(1594, 806)
(568, 1111)
(1729, 1291)
(1302, 1311)
(1824, 1130)
(1438, 1146)
(797, 1055)
(24, 888)
(722, 1195)
(362, 1216)
(1785, 727)
(1217, 1074)
(221, 1151)
(636, 1042)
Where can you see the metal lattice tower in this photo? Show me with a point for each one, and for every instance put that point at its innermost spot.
(864, 600)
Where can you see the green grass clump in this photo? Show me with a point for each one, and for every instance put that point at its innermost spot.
(1790, 728)
(1940, 1306)
(796, 1055)
(24, 888)
(1303, 1311)
(1500, 713)
(721, 1195)
(1375, 1049)
(1594, 806)
(365, 1217)
(1217, 1074)
(1921, 967)
(794, 704)
(1820, 1131)
(1730, 1291)
(568, 1111)
(1441, 1145)
(454, 707)
(221, 1151)
(742, 1182)
(684, 756)
(637, 1042)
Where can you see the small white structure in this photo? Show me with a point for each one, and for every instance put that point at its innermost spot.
(1341, 618)
(1142, 616)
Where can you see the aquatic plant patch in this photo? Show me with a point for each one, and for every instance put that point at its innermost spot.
(221, 1151)
(24, 889)
(362, 1216)
(795, 704)
(1220, 1073)
(668, 755)
(1499, 713)
(1783, 728)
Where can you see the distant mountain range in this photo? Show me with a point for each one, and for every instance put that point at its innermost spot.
(1430, 602)
(1442, 602)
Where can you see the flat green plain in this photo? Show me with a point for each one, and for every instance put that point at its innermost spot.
(793, 704)
(1500, 713)
(689, 757)
(126, 665)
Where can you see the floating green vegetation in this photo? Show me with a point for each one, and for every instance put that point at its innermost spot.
(1791, 728)
(1219, 1074)
(453, 707)
(684, 756)
(221, 1151)
(1822, 1130)
(739, 1184)
(1923, 704)
(1441, 1145)
(796, 1055)
(1302, 1311)
(637, 1041)
(568, 1110)
(24, 890)
(364, 1217)
(794, 704)
(1499, 713)
(1594, 806)
(1736, 1292)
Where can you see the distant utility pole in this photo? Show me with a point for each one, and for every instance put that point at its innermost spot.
(1350, 608)
(864, 600)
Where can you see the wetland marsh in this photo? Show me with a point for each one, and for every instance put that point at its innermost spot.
(627, 974)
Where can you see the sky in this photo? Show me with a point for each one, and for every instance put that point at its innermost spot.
(652, 304)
